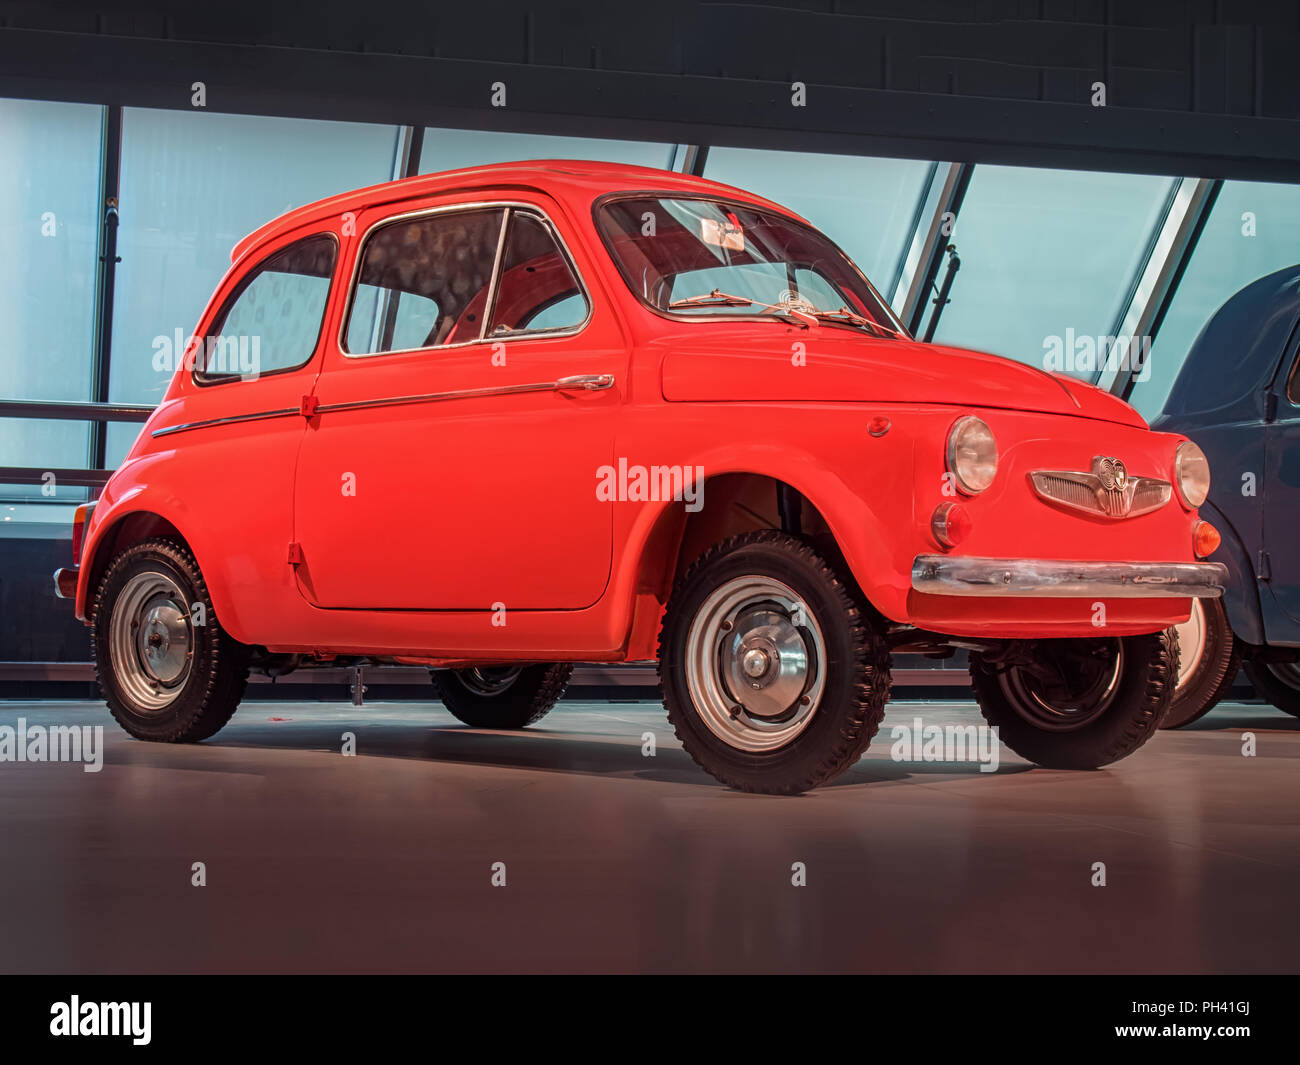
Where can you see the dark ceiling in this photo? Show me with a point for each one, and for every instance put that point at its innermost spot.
(1198, 87)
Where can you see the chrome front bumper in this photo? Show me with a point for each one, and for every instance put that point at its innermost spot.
(1041, 579)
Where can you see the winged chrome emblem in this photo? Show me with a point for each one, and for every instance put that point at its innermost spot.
(1106, 491)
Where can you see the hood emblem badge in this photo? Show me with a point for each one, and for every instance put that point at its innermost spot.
(1105, 491)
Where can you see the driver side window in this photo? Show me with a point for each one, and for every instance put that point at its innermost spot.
(423, 281)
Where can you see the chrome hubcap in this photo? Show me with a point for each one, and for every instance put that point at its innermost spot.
(151, 640)
(755, 663)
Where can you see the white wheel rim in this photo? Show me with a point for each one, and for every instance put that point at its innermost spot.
(151, 640)
(1191, 643)
(755, 663)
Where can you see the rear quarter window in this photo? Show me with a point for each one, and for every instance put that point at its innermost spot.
(272, 321)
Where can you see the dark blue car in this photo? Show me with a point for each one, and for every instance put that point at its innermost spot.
(1238, 397)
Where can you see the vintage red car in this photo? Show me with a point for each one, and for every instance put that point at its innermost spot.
(502, 420)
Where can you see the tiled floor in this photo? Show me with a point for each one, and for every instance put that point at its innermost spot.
(617, 861)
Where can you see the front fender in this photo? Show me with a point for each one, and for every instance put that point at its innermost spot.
(130, 494)
(875, 542)
(1241, 599)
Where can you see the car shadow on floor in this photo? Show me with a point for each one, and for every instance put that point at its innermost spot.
(538, 749)
(1267, 720)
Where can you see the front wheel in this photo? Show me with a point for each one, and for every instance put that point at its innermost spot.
(774, 675)
(1278, 682)
(1077, 704)
(167, 669)
(1208, 659)
(501, 697)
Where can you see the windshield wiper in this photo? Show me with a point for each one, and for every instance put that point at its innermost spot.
(723, 299)
(846, 315)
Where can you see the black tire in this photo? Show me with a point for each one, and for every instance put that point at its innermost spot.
(1208, 679)
(1127, 719)
(1278, 690)
(501, 699)
(205, 695)
(851, 685)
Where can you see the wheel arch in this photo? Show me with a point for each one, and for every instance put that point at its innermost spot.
(1241, 597)
(740, 498)
(124, 527)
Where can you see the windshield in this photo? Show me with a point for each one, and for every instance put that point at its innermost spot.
(704, 258)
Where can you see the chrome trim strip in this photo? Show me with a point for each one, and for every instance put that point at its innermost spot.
(596, 382)
(1047, 579)
(506, 207)
(232, 419)
(581, 382)
(490, 301)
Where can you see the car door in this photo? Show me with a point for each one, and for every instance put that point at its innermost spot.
(233, 429)
(460, 420)
(1281, 491)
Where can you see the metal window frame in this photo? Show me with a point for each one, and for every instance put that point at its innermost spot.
(929, 256)
(1156, 284)
(507, 208)
(110, 174)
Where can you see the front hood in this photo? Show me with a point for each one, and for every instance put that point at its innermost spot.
(829, 364)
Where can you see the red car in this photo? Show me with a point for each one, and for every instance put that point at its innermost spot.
(501, 420)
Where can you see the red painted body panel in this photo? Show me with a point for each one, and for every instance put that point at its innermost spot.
(467, 505)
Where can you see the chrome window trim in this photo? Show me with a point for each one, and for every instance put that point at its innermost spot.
(507, 207)
(202, 379)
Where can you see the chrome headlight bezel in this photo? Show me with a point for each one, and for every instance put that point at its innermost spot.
(1191, 463)
(960, 462)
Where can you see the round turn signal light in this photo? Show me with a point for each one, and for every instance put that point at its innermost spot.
(1205, 539)
(950, 524)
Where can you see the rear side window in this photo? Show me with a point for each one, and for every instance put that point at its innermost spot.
(272, 321)
(424, 282)
(537, 290)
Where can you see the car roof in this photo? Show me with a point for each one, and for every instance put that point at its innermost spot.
(1236, 353)
(563, 179)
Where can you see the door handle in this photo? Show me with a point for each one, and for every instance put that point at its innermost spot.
(587, 382)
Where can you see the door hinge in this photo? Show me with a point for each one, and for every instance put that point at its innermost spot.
(1263, 570)
(295, 554)
(307, 407)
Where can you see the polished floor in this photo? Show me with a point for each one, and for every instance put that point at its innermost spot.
(384, 862)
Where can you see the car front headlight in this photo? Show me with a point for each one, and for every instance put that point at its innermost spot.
(1191, 474)
(972, 455)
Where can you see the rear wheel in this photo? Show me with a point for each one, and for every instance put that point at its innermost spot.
(1077, 704)
(1278, 682)
(1208, 660)
(774, 675)
(501, 697)
(167, 669)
